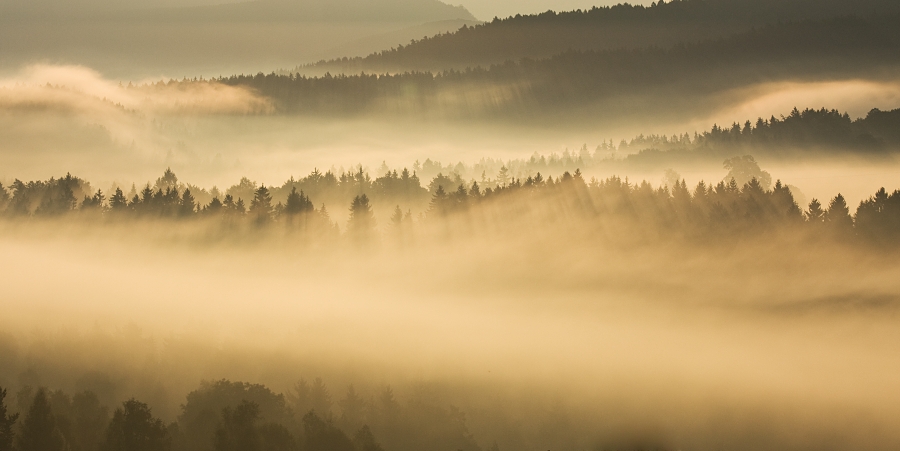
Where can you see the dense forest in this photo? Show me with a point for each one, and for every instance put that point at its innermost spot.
(622, 26)
(599, 84)
(231, 416)
(744, 203)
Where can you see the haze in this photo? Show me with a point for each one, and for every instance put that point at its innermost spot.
(401, 225)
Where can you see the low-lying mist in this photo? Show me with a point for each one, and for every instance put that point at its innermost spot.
(526, 321)
(523, 320)
(58, 119)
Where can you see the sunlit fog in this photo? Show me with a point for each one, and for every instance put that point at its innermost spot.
(405, 225)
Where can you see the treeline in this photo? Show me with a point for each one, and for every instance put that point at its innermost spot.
(233, 416)
(742, 204)
(823, 132)
(532, 88)
(599, 28)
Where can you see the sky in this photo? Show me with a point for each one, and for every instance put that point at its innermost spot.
(488, 9)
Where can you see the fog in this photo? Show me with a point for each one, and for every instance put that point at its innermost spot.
(110, 131)
(765, 342)
(678, 233)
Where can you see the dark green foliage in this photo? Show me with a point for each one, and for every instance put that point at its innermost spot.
(7, 421)
(133, 428)
(39, 430)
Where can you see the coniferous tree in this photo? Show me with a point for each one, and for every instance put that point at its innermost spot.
(838, 214)
(362, 219)
(4, 198)
(214, 207)
(187, 205)
(7, 421)
(133, 428)
(39, 431)
(118, 202)
(397, 217)
(438, 204)
(815, 214)
(352, 407)
(261, 205)
(364, 440)
(321, 435)
(237, 430)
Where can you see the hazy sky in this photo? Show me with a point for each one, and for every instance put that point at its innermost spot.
(488, 9)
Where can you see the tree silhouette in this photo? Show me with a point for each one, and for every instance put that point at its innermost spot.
(261, 205)
(322, 435)
(744, 169)
(118, 202)
(815, 213)
(237, 430)
(362, 219)
(365, 441)
(188, 205)
(133, 428)
(39, 431)
(7, 420)
(352, 407)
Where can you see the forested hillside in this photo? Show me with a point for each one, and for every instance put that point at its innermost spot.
(601, 84)
(622, 26)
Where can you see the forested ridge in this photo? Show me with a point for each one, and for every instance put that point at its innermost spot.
(231, 416)
(743, 203)
(622, 26)
(597, 83)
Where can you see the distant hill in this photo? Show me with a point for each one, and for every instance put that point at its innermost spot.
(135, 40)
(622, 26)
(417, 11)
(590, 85)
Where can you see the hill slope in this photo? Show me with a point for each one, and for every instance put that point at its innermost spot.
(603, 84)
(617, 27)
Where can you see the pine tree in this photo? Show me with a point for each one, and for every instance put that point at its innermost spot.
(133, 428)
(4, 198)
(118, 202)
(838, 214)
(187, 204)
(261, 205)
(237, 430)
(7, 421)
(362, 219)
(215, 206)
(39, 431)
(297, 203)
(815, 214)
(397, 217)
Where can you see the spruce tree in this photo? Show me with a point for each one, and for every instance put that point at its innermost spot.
(7, 422)
(133, 428)
(39, 431)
